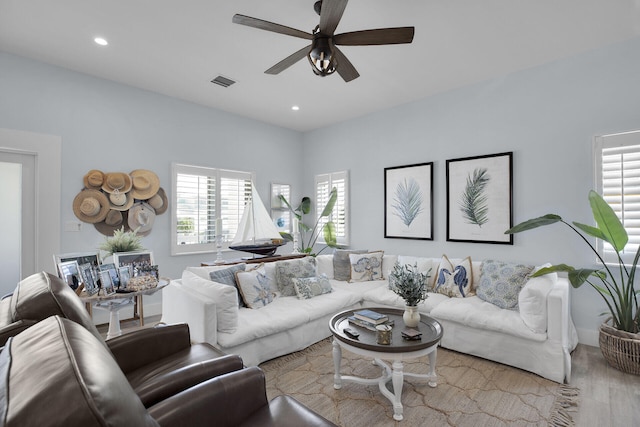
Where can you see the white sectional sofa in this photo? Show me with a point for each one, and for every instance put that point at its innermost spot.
(538, 337)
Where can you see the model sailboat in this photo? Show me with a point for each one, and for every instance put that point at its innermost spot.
(257, 233)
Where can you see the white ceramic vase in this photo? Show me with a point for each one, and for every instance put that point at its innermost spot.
(411, 316)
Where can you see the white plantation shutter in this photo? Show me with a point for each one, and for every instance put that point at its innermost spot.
(200, 196)
(340, 215)
(618, 181)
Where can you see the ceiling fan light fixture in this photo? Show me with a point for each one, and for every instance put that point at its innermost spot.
(321, 56)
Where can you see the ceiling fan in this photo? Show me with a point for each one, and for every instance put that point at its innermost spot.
(323, 53)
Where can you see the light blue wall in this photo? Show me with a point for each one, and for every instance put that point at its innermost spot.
(113, 127)
(547, 116)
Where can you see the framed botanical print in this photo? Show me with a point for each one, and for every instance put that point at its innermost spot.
(408, 201)
(479, 199)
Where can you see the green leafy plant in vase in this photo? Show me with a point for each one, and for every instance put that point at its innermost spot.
(614, 282)
(309, 235)
(122, 241)
(412, 286)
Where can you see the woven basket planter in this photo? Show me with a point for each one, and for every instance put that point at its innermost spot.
(620, 349)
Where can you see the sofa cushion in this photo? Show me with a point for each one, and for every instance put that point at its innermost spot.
(342, 264)
(324, 265)
(309, 287)
(425, 266)
(388, 261)
(454, 279)
(501, 282)
(287, 270)
(366, 267)
(256, 287)
(532, 301)
(383, 296)
(478, 314)
(56, 373)
(228, 277)
(225, 296)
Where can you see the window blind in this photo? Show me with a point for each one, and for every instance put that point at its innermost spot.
(201, 196)
(340, 213)
(618, 181)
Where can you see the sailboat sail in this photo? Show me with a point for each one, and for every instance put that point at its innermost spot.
(256, 232)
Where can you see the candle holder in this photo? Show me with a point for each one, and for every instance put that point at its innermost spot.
(383, 334)
(219, 239)
(296, 243)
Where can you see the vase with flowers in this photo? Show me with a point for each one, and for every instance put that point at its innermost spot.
(411, 285)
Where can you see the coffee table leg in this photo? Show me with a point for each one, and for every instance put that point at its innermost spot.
(397, 379)
(433, 378)
(337, 359)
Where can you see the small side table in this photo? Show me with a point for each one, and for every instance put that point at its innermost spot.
(115, 302)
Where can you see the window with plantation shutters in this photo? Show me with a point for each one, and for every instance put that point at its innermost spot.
(617, 171)
(340, 215)
(204, 199)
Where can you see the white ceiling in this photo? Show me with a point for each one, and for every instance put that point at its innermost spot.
(176, 47)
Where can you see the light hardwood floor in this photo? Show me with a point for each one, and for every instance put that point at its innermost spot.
(608, 397)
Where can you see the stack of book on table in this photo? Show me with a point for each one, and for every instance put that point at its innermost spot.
(369, 319)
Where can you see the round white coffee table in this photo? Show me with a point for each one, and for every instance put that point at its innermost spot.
(399, 350)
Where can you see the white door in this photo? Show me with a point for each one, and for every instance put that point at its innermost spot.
(30, 166)
(17, 221)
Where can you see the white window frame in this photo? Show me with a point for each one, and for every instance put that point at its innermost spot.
(323, 184)
(213, 173)
(617, 179)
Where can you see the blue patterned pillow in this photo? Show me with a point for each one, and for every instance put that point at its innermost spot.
(309, 287)
(501, 282)
(255, 287)
(454, 280)
(286, 271)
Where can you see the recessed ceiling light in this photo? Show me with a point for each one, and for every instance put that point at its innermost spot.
(100, 41)
(295, 108)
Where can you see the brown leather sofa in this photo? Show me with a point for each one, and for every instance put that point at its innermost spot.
(158, 362)
(57, 373)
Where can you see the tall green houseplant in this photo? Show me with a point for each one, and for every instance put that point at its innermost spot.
(309, 235)
(614, 282)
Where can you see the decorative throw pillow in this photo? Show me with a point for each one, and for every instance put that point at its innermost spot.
(225, 297)
(501, 282)
(366, 267)
(256, 288)
(454, 280)
(286, 271)
(342, 265)
(227, 276)
(309, 287)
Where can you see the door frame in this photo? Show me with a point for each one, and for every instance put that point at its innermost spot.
(47, 150)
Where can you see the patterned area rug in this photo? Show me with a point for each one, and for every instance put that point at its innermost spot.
(470, 392)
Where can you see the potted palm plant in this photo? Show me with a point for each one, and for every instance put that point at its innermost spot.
(619, 336)
(411, 285)
(309, 235)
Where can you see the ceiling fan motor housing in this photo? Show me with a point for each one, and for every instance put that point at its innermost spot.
(322, 56)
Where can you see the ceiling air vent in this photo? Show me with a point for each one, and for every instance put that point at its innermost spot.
(223, 81)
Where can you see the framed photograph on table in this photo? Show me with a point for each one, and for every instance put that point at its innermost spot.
(88, 278)
(107, 284)
(134, 260)
(69, 271)
(113, 272)
(408, 202)
(479, 199)
(81, 258)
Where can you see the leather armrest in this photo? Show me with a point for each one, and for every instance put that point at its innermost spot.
(14, 329)
(139, 348)
(167, 384)
(223, 401)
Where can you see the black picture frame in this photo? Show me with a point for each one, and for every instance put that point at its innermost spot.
(408, 201)
(480, 199)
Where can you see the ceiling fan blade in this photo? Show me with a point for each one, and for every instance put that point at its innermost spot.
(289, 61)
(270, 26)
(375, 37)
(330, 15)
(345, 68)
